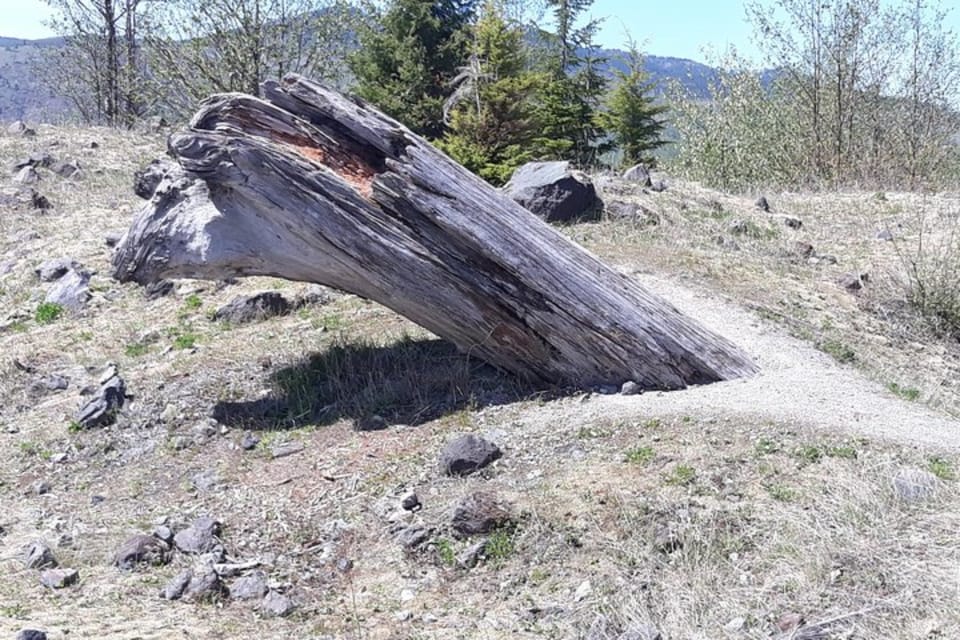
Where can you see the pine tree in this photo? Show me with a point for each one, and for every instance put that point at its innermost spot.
(570, 99)
(405, 67)
(631, 116)
(490, 113)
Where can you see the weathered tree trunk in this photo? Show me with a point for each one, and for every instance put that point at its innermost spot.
(309, 185)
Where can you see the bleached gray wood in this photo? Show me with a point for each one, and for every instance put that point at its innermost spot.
(307, 184)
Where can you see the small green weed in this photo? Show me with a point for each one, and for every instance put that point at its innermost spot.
(840, 352)
(136, 349)
(782, 493)
(446, 552)
(639, 455)
(185, 341)
(681, 475)
(500, 545)
(18, 327)
(808, 453)
(842, 451)
(766, 446)
(74, 427)
(48, 312)
(652, 423)
(907, 393)
(31, 448)
(588, 433)
(192, 302)
(941, 468)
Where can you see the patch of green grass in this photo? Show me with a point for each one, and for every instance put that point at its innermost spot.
(588, 433)
(639, 455)
(808, 453)
(840, 351)
(766, 446)
(500, 546)
(941, 467)
(136, 349)
(782, 493)
(18, 327)
(192, 302)
(48, 312)
(841, 451)
(907, 393)
(30, 448)
(445, 552)
(186, 340)
(652, 423)
(74, 427)
(681, 475)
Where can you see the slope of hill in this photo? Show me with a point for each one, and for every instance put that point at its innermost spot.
(819, 498)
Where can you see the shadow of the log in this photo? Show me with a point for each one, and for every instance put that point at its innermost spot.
(410, 382)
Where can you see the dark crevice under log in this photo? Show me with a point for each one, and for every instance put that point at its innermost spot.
(307, 184)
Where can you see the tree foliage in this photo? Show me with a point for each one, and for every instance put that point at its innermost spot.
(632, 117)
(406, 63)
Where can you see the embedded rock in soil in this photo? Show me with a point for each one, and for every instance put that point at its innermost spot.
(71, 291)
(913, 485)
(199, 537)
(141, 548)
(276, 604)
(31, 634)
(59, 578)
(252, 308)
(101, 410)
(480, 512)
(466, 454)
(204, 586)
(174, 589)
(38, 555)
(56, 268)
(638, 173)
(251, 587)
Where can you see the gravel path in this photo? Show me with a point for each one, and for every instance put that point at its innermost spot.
(797, 384)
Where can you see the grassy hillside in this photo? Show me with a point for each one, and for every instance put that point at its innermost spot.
(817, 501)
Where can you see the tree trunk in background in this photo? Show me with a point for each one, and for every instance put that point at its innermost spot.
(309, 185)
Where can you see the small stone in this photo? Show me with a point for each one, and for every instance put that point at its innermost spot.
(469, 557)
(885, 234)
(736, 624)
(638, 173)
(249, 442)
(738, 226)
(206, 480)
(251, 587)
(658, 186)
(792, 222)
(177, 586)
(410, 501)
(403, 615)
(640, 632)
(59, 578)
(58, 457)
(466, 454)
(406, 595)
(68, 169)
(112, 238)
(253, 308)
(164, 533)
(31, 634)
(141, 549)
(762, 204)
(56, 268)
(630, 388)
(276, 604)
(146, 180)
(803, 249)
(790, 621)
(204, 586)
(413, 536)
(914, 485)
(480, 512)
(71, 291)
(853, 282)
(38, 555)
(607, 389)
(344, 565)
(102, 409)
(285, 449)
(199, 537)
(158, 289)
(27, 175)
(583, 591)
(40, 487)
(371, 423)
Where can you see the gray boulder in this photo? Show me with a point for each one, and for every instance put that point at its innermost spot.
(38, 555)
(68, 169)
(252, 308)
(199, 537)
(480, 512)
(27, 175)
(251, 587)
(101, 410)
(553, 192)
(59, 578)
(31, 634)
(467, 453)
(915, 485)
(141, 549)
(71, 291)
(56, 268)
(638, 173)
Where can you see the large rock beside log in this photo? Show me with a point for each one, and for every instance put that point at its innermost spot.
(554, 192)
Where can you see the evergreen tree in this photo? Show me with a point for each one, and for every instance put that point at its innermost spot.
(405, 66)
(631, 115)
(570, 99)
(490, 113)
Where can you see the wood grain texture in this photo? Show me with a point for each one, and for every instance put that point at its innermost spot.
(308, 184)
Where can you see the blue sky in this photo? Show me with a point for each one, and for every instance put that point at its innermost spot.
(675, 28)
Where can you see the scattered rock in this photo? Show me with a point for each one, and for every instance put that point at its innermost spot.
(252, 308)
(285, 449)
(913, 485)
(371, 423)
(48, 384)
(199, 537)
(204, 586)
(762, 204)
(638, 173)
(175, 589)
(480, 512)
(164, 533)
(68, 169)
(791, 221)
(803, 249)
(112, 238)
(630, 388)
(466, 454)
(885, 234)
(410, 501)
(59, 578)
(18, 128)
(56, 268)
(38, 555)
(31, 634)
(146, 180)
(633, 212)
(666, 539)
(33, 199)
(249, 442)
(101, 410)
(738, 227)
(277, 605)
(555, 193)
(251, 587)
(71, 291)
(315, 294)
(27, 175)
(469, 557)
(583, 591)
(790, 621)
(658, 186)
(40, 487)
(158, 289)
(735, 624)
(141, 549)
(640, 632)
(206, 480)
(413, 536)
(853, 282)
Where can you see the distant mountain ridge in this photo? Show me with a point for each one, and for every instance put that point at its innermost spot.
(24, 95)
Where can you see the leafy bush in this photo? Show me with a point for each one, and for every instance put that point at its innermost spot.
(48, 312)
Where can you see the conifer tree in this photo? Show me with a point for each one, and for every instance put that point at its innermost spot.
(631, 116)
(490, 113)
(405, 66)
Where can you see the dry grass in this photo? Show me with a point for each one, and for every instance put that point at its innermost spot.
(686, 522)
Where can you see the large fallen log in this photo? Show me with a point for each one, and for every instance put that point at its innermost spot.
(307, 184)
